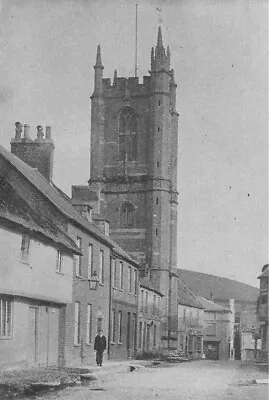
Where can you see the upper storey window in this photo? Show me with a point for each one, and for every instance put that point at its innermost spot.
(127, 136)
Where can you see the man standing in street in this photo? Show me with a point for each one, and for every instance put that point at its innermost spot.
(100, 346)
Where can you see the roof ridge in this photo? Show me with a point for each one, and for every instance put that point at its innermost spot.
(37, 180)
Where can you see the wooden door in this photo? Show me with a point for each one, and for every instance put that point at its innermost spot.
(32, 335)
(53, 337)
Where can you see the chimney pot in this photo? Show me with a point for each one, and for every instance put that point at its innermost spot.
(18, 130)
(40, 133)
(26, 131)
(48, 132)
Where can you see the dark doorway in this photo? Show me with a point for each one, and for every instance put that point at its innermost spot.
(128, 334)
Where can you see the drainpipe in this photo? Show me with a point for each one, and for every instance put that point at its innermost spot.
(169, 309)
(109, 309)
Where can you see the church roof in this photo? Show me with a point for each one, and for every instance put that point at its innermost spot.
(219, 288)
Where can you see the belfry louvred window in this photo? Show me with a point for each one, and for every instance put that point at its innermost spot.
(127, 215)
(127, 136)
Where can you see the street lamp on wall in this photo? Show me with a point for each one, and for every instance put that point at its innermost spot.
(93, 281)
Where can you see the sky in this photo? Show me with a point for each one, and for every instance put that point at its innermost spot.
(219, 51)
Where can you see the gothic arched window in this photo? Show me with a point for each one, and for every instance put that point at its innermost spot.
(127, 214)
(127, 135)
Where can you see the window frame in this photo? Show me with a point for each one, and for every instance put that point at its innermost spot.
(212, 325)
(77, 320)
(142, 300)
(113, 326)
(120, 327)
(121, 276)
(89, 336)
(60, 262)
(135, 281)
(154, 304)
(114, 273)
(6, 318)
(154, 336)
(101, 267)
(146, 300)
(130, 279)
(90, 260)
(140, 334)
(25, 248)
(78, 258)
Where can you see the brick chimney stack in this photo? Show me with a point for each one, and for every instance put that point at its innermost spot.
(38, 153)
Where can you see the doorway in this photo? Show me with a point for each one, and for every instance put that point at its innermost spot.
(32, 335)
(128, 334)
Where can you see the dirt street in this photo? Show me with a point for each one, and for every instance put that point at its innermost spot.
(198, 380)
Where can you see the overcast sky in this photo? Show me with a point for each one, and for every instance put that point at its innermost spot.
(219, 54)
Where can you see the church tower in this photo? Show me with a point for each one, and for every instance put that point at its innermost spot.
(134, 144)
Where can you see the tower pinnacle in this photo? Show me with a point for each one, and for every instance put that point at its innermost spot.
(160, 59)
(159, 38)
(98, 57)
(98, 73)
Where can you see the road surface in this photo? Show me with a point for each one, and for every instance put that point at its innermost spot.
(196, 380)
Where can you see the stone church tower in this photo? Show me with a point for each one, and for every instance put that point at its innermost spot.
(134, 145)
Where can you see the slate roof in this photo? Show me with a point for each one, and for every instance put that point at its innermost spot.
(186, 297)
(220, 288)
(61, 201)
(145, 283)
(14, 210)
(211, 306)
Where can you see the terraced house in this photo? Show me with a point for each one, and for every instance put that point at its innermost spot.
(36, 263)
(190, 323)
(90, 298)
(149, 319)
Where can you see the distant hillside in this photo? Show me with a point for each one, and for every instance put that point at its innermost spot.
(221, 288)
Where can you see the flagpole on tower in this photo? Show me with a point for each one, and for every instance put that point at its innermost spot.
(136, 40)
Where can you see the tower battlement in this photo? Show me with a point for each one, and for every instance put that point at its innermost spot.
(120, 86)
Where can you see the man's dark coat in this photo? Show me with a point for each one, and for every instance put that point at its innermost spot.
(100, 343)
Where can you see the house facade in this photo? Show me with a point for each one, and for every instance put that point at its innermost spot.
(36, 262)
(89, 310)
(124, 306)
(217, 332)
(149, 319)
(190, 323)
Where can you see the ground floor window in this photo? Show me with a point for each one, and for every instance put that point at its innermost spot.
(181, 343)
(190, 344)
(120, 327)
(113, 326)
(140, 334)
(154, 335)
(199, 344)
(5, 317)
(89, 324)
(77, 324)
